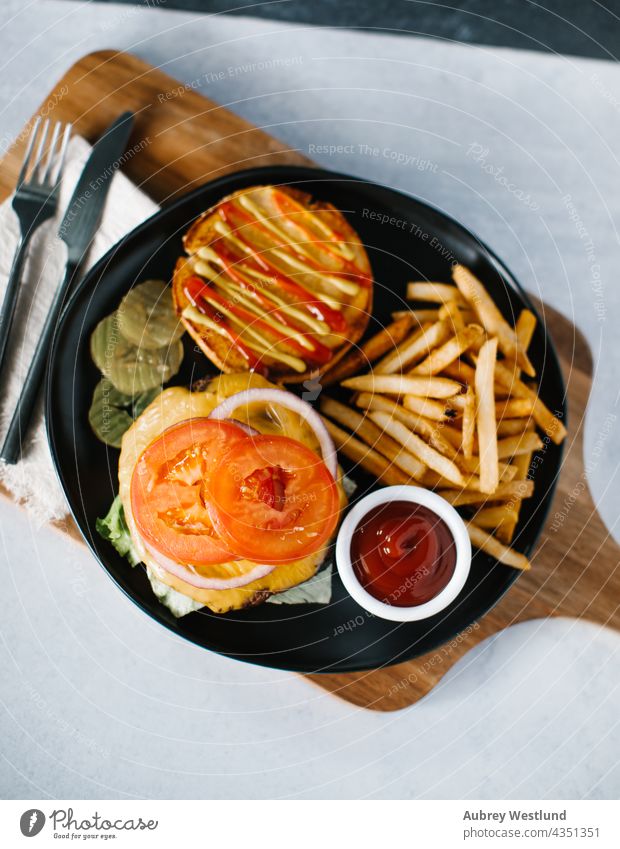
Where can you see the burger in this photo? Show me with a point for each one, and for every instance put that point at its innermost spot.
(275, 282)
(228, 493)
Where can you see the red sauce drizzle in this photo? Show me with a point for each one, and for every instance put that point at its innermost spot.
(403, 554)
(240, 221)
(237, 266)
(194, 292)
(318, 354)
(288, 206)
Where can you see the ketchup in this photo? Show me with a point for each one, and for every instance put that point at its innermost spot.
(403, 554)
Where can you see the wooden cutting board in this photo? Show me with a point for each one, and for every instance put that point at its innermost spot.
(182, 140)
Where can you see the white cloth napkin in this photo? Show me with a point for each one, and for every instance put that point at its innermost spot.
(33, 481)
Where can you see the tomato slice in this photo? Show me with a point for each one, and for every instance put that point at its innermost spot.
(273, 500)
(168, 490)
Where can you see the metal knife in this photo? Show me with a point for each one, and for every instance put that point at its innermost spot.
(77, 229)
(83, 215)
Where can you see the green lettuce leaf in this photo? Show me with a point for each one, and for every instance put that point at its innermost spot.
(113, 527)
(177, 603)
(316, 590)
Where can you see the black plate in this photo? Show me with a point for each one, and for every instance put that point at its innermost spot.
(406, 239)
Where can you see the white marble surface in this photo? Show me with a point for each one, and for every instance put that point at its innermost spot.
(97, 700)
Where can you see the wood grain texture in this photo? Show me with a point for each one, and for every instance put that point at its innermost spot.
(182, 140)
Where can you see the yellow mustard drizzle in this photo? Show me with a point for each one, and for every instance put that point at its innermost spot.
(265, 285)
(237, 293)
(210, 265)
(224, 230)
(346, 286)
(263, 346)
(315, 220)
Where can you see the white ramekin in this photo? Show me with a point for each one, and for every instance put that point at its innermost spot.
(439, 506)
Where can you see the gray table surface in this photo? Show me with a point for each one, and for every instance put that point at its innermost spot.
(575, 27)
(98, 700)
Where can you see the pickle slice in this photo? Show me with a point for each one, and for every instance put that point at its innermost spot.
(108, 416)
(146, 316)
(112, 412)
(141, 401)
(130, 368)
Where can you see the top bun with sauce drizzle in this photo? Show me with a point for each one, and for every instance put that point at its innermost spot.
(281, 284)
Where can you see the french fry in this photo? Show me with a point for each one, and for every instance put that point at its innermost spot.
(512, 446)
(419, 316)
(461, 371)
(454, 436)
(442, 409)
(452, 314)
(514, 427)
(367, 458)
(413, 348)
(437, 293)
(505, 532)
(490, 545)
(371, 350)
(419, 424)
(427, 407)
(413, 443)
(543, 417)
(504, 492)
(507, 471)
(450, 351)
(495, 517)
(396, 384)
(468, 427)
(513, 408)
(525, 327)
(490, 317)
(485, 416)
(374, 436)
(456, 315)
(471, 482)
(457, 402)
(500, 393)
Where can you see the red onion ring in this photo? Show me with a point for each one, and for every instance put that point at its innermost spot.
(291, 402)
(246, 428)
(199, 581)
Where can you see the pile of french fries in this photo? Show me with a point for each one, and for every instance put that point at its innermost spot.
(447, 405)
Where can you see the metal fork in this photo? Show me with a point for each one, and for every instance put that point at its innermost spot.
(35, 200)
